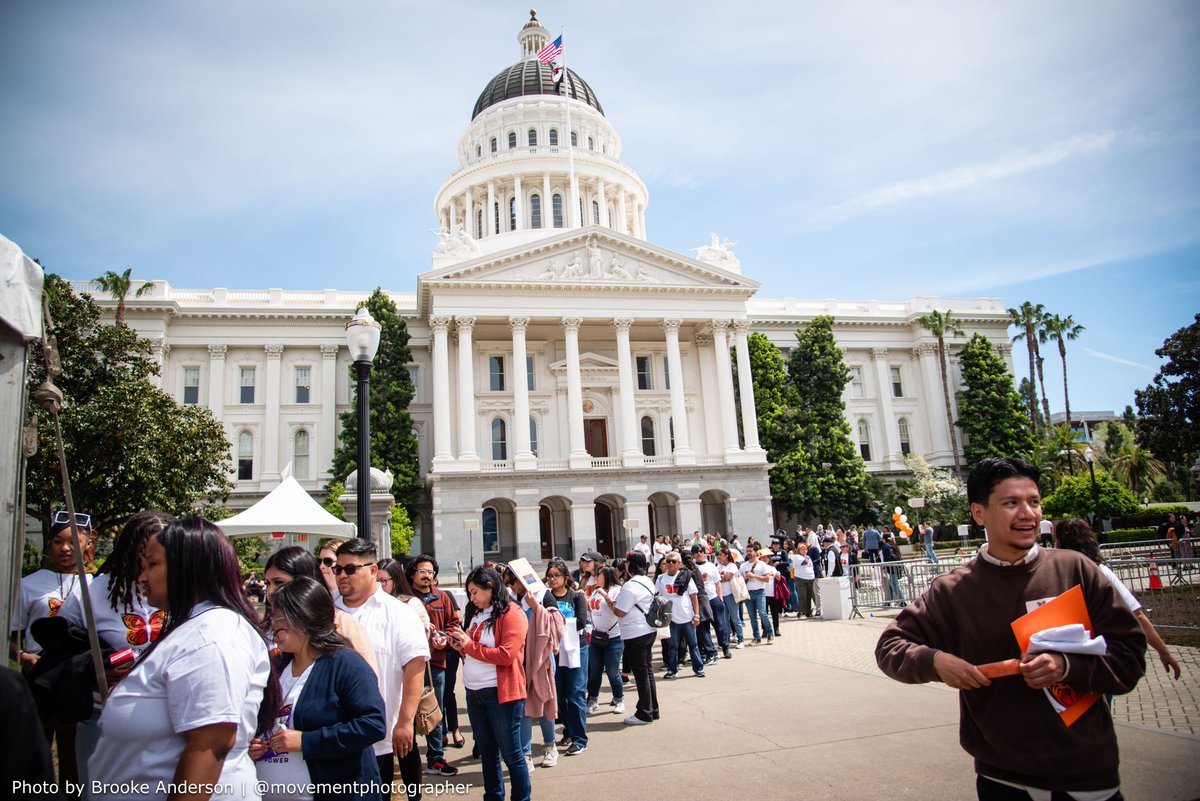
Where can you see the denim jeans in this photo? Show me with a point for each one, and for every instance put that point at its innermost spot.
(893, 591)
(571, 684)
(547, 727)
(497, 731)
(606, 660)
(929, 554)
(435, 741)
(639, 649)
(717, 606)
(686, 632)
(758, 610)
(735, 616)
(449, 701)
(793, 604)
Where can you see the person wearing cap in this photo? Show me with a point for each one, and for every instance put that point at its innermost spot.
(759, 574)
(643, 547)
(589, 564)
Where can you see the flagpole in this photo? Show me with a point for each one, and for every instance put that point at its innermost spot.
(573, 189)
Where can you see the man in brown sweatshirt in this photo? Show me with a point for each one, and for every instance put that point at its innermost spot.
(1022, 749)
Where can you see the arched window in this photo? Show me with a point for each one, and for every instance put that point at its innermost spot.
(478, 151)
(300, 455)
(245, 456)
(557, 205)
(533, 440)
(553, 137)
(591, 143)
(532, 137)
(493, 144)
(574, 139)
(499, 441)
(496, 217)
(671, 431)
(512, 214)
(535, 211)
(512, 139)
(864, 439)
(647, 437)
(905, 437)
(595, 212)
(491, 530)
(479, 223)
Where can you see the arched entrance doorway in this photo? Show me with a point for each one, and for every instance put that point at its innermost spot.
(664, 514)
(610, 533)
(554, 519)
(499, 530)
(715, 514)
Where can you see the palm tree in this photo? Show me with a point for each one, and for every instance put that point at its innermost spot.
(118, 286)
(940, 325)
(1060, 329)
(1137, 469)
(1027, 317)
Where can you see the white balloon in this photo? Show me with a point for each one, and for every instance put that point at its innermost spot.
(898, 510)
(903, 518)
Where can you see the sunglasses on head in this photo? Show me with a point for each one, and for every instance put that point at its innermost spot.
(63, 517)
(349, 570)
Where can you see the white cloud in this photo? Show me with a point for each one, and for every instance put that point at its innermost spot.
(1108, 357)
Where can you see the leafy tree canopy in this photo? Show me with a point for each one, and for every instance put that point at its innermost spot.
(1170, 405)
(990, 411)
(1073, 498)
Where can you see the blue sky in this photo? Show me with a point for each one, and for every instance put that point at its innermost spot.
(1026, 150)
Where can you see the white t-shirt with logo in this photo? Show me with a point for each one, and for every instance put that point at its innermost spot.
(290, 766)
(711, 576)
(764, 569)
(644, 549)
(722, 570)
(802, 567)
(134, 626)
(477, 674)
(604, 620)
(212, 668)
(681, 604)
(42, 595)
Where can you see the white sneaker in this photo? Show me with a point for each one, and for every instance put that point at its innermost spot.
(740, 646)
(593, 706)
(529, 762)
(550, 758)
(619, 708)
(634, 720)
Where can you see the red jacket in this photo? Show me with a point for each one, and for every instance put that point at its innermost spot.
(508, 655)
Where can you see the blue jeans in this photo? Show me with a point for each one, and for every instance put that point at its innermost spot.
(893, 591)
(929, 554)
(735, 616)
(572, 697)
(717, 606)
(683, 631)
(497, 731)
(758, 609)
(794, 599)
(547, 727)
(436, 739)
(606, 660)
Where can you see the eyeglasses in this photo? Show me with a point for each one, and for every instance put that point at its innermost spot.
(552, 576)
(328, 561)
(63, 517)
(383, 578)
(350, 570)
(671, 561)
(423, 571)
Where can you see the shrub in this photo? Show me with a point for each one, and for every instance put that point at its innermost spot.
(1073, 498)
(1150, 517)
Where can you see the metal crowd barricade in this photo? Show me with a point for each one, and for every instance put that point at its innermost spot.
(883, 585)
(1168, 590)
(1142, 549)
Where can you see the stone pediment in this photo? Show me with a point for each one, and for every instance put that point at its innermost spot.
(593, 368)
(591, 259)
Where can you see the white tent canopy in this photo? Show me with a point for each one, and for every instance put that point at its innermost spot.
(288, 509)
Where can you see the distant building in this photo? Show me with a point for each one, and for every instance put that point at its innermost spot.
(1084, 423)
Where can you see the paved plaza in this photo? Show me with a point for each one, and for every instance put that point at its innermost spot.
(812, 717)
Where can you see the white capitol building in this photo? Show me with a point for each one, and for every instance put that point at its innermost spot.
(570, 374)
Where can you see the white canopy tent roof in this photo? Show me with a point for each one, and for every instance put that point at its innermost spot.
(289, 509)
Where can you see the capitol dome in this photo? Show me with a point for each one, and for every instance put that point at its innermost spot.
(532, 77)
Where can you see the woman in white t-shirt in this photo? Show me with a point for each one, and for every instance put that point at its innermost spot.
(124, 619)
(630, 608)
(332, 713)
(187, 711)
(607, 647)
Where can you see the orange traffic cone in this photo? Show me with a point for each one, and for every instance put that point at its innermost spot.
(1155, 583)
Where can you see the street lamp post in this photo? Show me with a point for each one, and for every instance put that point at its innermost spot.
(1090, 457)
(362, 337)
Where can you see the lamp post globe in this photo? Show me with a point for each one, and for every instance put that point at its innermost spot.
(362, 338)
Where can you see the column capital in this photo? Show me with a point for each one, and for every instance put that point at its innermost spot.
(720, 325)
(218, 351)
(464, 323)
(1004, 349)
(879, 354)
(160, 346)
(670, 324)
(741, 326)
(440, 323)
(704, 340)
(274, 352)
(330, 351)
(925, 349)
(518, 323)
(622, 324)
(571, 324)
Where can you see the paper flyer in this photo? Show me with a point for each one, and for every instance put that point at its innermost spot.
(1067, 608)
(525, 572)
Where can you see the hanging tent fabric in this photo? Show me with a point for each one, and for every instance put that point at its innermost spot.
(289, 509)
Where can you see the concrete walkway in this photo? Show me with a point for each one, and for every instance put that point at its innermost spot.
(812, 717)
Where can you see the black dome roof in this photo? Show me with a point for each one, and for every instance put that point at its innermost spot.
(532, 77)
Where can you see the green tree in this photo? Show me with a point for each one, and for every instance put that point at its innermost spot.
(1137, 469)
(118, 285)
(1061, 329)
(402, 532)
(940, 325)
(775, 405)
(393, 446)
(333, 492)
(1169, 407)
(1073, 498)
(989, 408)
(1028, 318)
(822, 473)
(129, 445)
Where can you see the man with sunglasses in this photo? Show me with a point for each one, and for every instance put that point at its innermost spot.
(401, 651)
(685, 614)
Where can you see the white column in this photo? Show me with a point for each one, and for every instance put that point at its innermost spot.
(328, 426)
(469, 213)
(466, 390)
(583, 529)
(523, 458)
(271, 424)
(453, 214)
(518, 204)
(622, 210)
(641, 218)
(631, 454)
(887, 420)
(440, 351)
(746, 386)
(216, 380)
(529, 533)
(161, 351)
(490, 211)
(710, 416)
(679, 417)
(935, 407)
(603, 200)
(578, 457)
(725, 386)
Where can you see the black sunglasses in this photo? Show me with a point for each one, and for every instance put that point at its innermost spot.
(328, 561)
(63, 517)
(349, 570)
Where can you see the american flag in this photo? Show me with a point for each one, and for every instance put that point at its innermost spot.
(551, 51)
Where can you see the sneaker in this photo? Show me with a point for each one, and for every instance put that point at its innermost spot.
(593, 706)
(439, 767)
(728, 655)
(619, 708)
(741, 644)
(669, 676)
(550, 758)
(770, 639)
(564, 742)
(757, 641)
(699, 675)
(529, 762)
(576, 748)
(634, 720)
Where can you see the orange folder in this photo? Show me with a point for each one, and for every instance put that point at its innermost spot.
(1064, 610)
